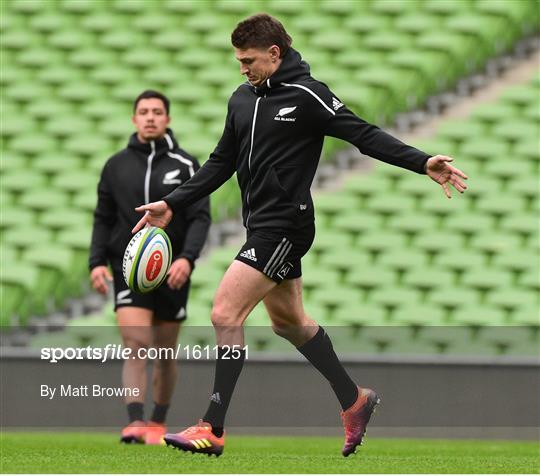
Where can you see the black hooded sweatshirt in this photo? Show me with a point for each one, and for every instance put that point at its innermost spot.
(273, 139)
(143, 173)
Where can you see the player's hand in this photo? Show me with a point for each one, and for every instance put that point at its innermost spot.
(439, 169)
(100, 276)
(179, 273)
(156, 214)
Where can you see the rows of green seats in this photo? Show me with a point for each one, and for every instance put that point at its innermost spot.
(70, 71)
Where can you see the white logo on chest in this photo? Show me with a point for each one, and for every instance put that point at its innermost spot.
(285, 111)
(171, 178)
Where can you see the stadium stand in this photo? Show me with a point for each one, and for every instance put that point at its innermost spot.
(71, 69)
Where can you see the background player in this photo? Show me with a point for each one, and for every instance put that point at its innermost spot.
(150, 166)
(273, 137)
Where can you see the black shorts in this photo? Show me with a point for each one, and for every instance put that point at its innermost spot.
(277, 254)
(168, 304)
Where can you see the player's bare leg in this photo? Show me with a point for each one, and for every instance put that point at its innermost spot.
(289, 320)
(240, 290)
(135, 326)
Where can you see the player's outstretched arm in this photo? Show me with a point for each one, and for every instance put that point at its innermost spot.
(156, 214)
(438, 168)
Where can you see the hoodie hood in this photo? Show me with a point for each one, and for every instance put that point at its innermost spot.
(162, 145)
(292, 68)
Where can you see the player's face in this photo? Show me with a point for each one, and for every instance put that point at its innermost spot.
(258, 64)
(150, 119)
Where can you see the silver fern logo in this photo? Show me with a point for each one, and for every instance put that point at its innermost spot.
(285, 111)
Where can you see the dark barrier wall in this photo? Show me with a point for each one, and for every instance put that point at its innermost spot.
(417, 398)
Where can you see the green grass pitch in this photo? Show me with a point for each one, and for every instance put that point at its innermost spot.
(101, 453)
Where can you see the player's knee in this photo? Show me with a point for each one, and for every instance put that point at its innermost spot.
(222, 317)
(138, 348)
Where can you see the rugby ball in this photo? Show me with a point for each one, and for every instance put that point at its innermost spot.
(147, 259)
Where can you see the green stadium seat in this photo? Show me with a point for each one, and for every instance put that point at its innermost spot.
(80, 7)
(173, 40)
(47, 22)
(69, 40)
(355, 315)
(356, 224)
(452, 298)
(460, 131)
(43, 199)
(344, 260)
(391, 297)
(368, 279)
(384, 337)
(516, 261)
(92, 57)
(521, 224)
(499, 206)
(516, 130)
(328, 206)
(332, 296)
(416, 22)
(435, 242)
(334, 41)
(510, 300)
(467, 224)
(133, 7)
(56, 267)
(510, 340)
(459, 260)
(377, 242)
(25, 236)
(92, 146)
(418, 316)
(327, 240)
(101, 22)
(484, 149)
(18, 281)
(12, 217)
(484, 280)
(314, 278)
(29, 7)
(367, 23)
(26, 92)
(51, 163)
(63, 218)
(484, 31)
(37, 145)
(38, 57)
(478, 316)
(311, 23)
(18, 40)
(491, 113)
(17, 126)
(445, 7)
(392, 8)
(390, 205)
(402, 261)
(522, 95)
(446, 337)
(203, 23)
(530, 280)
(18, 181)
(412, 224)
(529, 317)
(426, 281)
(532, 113)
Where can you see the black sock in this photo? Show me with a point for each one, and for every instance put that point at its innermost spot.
(135, 411)
(159, 413)
(227, 373)
(320, 352)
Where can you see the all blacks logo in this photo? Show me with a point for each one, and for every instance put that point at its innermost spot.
(153, 267)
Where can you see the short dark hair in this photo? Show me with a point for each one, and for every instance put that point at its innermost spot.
(151, 93)
(261, 31)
